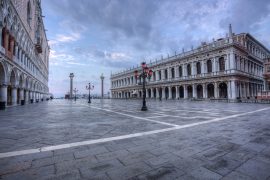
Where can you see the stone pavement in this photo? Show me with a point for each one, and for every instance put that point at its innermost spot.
(113, 139)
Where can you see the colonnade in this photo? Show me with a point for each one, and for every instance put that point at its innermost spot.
(15, 95)
(231, 89)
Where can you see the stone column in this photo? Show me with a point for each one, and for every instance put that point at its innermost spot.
(193, 72)
(22, 96)
(3, 94)
(162, 74)
(185, 70)
(202, 68)
(176, 70)
(216, 90)
(157, 93)
(169, 70)
(163, 93)
(26, 96)
(214, 65)
(14, 95)
(233, 90)
(177, 92)
(185, 92)
(229, 94)
(194, 91)
(248, 93)
(170, 92)
(204, 91)
(152, 93)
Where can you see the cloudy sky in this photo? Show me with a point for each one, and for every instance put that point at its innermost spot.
(90, 37)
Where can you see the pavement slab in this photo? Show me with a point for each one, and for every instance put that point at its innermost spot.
(113, 139)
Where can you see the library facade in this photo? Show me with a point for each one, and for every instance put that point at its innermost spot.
(228, 68)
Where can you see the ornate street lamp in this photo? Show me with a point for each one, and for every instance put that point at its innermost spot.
(75, 91)
(89, 87)
(146, 73)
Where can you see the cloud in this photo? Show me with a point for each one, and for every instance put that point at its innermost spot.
(118, 34)
(63, 38)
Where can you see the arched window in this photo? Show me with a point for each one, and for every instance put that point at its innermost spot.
(209, 66)
(166, 74)
(29, 18)
(172, 72)
(221, 64)
(198, 66)
(189, 70)
(180, 71)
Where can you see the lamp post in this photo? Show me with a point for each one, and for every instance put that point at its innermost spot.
(75, 91)
(89, 87)
(146, 72)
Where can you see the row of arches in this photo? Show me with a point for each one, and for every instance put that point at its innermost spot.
(198, 91)
(17, 87)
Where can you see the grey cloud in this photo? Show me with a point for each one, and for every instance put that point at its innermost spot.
(243, 14)
(135, 23)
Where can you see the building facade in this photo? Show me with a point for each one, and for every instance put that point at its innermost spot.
(24, 53)
(228, 68)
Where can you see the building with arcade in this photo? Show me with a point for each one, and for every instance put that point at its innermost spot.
(228, 68)
(24, 53)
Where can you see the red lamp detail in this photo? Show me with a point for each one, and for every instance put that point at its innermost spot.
(143, 64)
(146, 69)
(150, 72)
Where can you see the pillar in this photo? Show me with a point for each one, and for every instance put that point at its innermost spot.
(14, 95)
(152, 93)
(214, 65)
(163, 93)
(194, 92)
(185, 92)
(157, 93)
(3, 94)
(26, 96)
(204, 91)
(193, 69)
(170, 92)
(177, 92)
(147, 94)
(163, 74)
(184, 70)
(71, 76)
(176, 71)
(216, 90)
(233, 90)
(22, 96)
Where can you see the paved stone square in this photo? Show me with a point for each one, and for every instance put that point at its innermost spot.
(113, 139)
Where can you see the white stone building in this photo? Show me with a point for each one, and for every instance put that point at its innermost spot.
(24, 53)
(227, 68)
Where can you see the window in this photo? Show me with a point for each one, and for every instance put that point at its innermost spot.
(188, 69)
(166, 74)
(198, 66)
(221, 64)
(268, 69)
(159, 75)
(180, 71)
(29, 18)
(209, 66)
(172, 72)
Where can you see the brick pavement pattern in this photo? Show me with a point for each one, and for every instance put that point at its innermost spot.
(236, 146)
